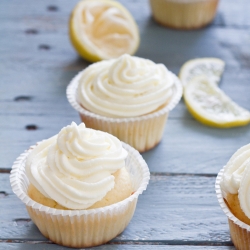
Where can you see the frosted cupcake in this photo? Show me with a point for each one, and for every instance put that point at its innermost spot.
(184, 14)
(232, 188)
(81, 186)
(129, 97)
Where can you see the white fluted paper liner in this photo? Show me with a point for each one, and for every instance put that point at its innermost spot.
(142, 132)
(240, 231)
(184, 14)
(82, 228)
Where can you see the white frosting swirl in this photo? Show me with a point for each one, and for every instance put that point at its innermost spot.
(236, 177)
(125, 87)
(75, 167)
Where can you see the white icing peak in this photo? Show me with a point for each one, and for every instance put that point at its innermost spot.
(75, 167)
(128, 86)
(236, 177)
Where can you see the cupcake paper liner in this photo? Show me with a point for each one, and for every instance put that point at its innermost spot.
(184, 14)
(82, 228)
(239, 231)
(142, 132)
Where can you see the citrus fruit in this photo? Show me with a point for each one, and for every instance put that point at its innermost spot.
(210, 67)
(103, 29)
(211, 106)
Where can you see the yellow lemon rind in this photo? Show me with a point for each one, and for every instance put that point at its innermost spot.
(78, 45)
(205, 118)
(188, 65)
(211, 123)
(80, 48)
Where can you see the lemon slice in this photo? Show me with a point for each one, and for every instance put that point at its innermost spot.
(211, 106)
(210, 67)
(103, 29)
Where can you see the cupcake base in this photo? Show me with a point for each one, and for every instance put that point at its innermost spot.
(122, 190)
(182, 14)
(142, 132)
(82, 228)
(239, 231)
(233, 204)
(239, 235)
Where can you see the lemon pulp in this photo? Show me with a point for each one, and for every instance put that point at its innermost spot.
(103, 29)
(211, 67)
(211, 106)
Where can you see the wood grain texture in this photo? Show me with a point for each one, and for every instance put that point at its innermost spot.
(187, 146)
(172, 209)
(25, 246)
(179, 210)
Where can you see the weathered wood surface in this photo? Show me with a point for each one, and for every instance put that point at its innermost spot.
(34, 78)
(41, 246)
(187, 146)
(179, 210)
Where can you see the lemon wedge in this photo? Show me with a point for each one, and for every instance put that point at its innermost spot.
(211, 106)
(103, 29)
(211, 67)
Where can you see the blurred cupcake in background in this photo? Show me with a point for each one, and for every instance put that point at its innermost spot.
(184, 14)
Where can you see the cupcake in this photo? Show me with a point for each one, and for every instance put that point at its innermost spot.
(184, 14)
(232, 188)
(80, 187)
(129, 97)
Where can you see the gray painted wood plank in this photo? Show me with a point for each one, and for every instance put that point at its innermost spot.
(187, 146)
(226, 14)
(39, 62)
(173, 209)
(41, 246)
(45, 86)
(43, 75)
(190, 147)
(45, 92)
(232, 13)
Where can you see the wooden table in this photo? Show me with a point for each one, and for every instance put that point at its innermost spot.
(179, 209)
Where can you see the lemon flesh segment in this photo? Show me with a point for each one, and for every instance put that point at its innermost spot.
(211, 106)
(103, 29)
(211, 67)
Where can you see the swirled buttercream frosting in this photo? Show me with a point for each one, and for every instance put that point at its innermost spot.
(236, 177)
(128, 86)
(75, 168)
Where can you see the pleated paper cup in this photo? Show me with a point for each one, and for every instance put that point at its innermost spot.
(82, 228)
(184, 14)
(239, 231)
(142, 132)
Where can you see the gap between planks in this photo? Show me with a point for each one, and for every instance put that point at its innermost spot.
(136, 242)
(7, 170)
